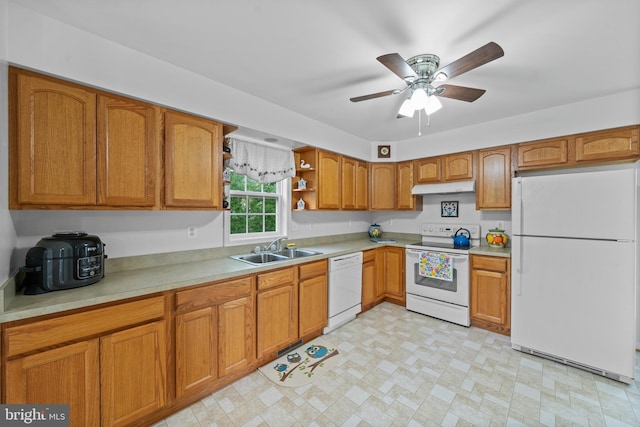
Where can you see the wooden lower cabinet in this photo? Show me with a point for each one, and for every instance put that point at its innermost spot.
(313, 298)
(68, 374)
(491, 293)
(214, 333)
(109, 364)
(276, 310)
(372, 287)
(133, 373)
(389, 269)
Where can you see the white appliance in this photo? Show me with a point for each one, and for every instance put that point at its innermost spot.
(574, 269)
(345, 289)
(443, 299)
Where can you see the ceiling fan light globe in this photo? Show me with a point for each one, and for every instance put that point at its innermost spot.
(433, 105)
(406, 109)
(419, 99)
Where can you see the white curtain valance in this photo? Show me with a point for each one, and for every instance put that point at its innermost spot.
(260, 162)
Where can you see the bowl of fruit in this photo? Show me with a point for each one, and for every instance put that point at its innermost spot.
(496, 238)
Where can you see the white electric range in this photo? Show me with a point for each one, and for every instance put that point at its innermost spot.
(443, 294)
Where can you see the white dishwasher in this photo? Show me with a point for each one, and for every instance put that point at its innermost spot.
(345, 289)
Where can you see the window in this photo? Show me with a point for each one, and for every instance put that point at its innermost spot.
(256, 210)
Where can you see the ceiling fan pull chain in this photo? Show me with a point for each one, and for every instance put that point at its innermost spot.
(420, 122)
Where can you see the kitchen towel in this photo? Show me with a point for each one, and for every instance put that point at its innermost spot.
(302, 365)
(437, 265)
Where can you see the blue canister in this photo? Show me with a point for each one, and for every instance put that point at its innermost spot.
(375, 231)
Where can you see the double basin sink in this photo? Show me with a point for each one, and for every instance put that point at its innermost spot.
(277, 256)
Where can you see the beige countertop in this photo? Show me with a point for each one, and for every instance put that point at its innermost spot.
(145, 281)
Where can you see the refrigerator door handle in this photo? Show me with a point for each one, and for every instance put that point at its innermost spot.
(516, 203)
(517, 285)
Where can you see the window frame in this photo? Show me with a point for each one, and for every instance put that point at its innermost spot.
(283, 191)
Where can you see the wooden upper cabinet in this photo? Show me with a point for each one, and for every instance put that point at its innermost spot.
(54, 132)
(193, 162)
(128, 146)
(404, 182)
(329, 177)
(355, 184)
(550, 152)
(458, 166)
(611, 144)
(428, 170)
(494, 179)
(382, 186)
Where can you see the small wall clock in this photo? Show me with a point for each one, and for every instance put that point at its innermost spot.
(384, 151)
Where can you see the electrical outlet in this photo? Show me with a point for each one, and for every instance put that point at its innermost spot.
(192, 232)
(500, 225)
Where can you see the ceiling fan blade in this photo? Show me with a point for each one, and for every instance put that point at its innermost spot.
(478, 57)
(374, 95)
(398, 66)
(461, 93)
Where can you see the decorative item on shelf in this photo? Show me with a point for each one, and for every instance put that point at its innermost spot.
(226, 149)
(300, 205)
(375, 231)
(497, 238)
(226, 174)
(225, 204)
(302, 184)
(304, 165)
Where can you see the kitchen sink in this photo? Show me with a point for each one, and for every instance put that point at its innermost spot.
(279, 256)
(296, 253)
(262, 258)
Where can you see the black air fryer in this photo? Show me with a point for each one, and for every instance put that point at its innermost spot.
(66, 260)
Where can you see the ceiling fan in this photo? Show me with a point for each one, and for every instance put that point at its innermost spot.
(421, 72)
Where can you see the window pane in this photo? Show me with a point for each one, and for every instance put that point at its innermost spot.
(237, 182)
(253, 185)
(238, 224)
(255, 224)
(238, 204)
(256, 204)
(270, 223)
(269, 205)
(269, 188)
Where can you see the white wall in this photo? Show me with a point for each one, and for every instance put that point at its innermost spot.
(7, 232)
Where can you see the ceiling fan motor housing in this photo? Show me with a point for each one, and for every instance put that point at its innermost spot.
(424, 65)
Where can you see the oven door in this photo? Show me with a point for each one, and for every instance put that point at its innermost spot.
(454, 292)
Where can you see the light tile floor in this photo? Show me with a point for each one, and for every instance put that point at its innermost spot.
(400, 368)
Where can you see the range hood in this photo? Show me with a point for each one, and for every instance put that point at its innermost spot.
(445, 188)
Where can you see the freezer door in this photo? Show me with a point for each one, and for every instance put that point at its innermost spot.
(575, 299)
(597, 204)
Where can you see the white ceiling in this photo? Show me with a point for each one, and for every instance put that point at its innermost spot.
(312, 56)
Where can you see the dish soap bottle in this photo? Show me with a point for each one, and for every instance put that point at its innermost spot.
(300, 205)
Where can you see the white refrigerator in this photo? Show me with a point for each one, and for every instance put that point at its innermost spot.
(574, 268)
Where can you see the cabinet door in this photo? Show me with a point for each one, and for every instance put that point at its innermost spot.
(67, 374)
(313, 304)
(128, 144)
(56, 142)
(370, 295)
(428, 170)
(394, 273)
(349, 180)
(362, 186)
(277, 318)
(236, 335)
(133, 372)
(193, 162)
(490, 296)
(494, 179)
(552, 152)
(613, 144)
(328, 180)
(382, 186)
(458, 166)
(196, 350)
(405, 200)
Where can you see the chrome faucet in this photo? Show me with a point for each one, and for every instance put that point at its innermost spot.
(277, 243)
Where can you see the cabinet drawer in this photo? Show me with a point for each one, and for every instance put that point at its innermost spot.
(40, 334)
(313, 269)
(489, 263)
(277, 278)
(213, 294)
(369, 256)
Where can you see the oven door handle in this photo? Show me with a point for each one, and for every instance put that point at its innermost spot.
(458, 257)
